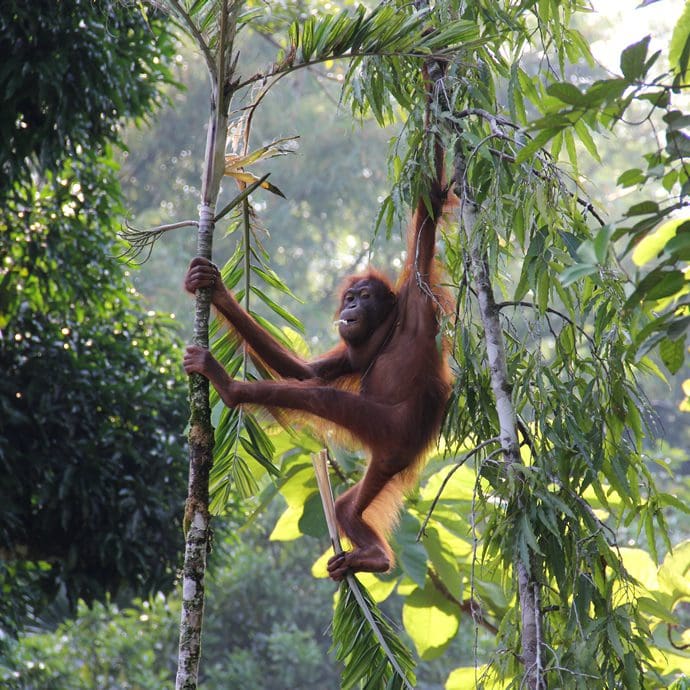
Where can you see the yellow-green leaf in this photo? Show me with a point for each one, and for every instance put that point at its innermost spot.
(678, 54)
(287, 527)
(460, 487)
(674, 573)
(650, 246)
(431, 621)
(640, 565)
(466, 677)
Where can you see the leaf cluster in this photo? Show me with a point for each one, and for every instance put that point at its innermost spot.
(91, 396)
(66, 79)
(241, 442)
(365, 663)
(572, 362)
(660, 291)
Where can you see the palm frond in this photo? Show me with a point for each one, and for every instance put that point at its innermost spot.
(386, 31)
(140, 241)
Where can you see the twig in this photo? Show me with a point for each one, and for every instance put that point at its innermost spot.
(453, 470)
(337, 468)
(286, 69)
(550, 310)
(470, 606)
(504, 122)
(675, 645)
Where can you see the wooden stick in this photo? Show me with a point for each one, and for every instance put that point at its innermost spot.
(320, 462)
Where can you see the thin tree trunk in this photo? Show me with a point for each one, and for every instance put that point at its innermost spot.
(197, 519)
(201, 432)
(528, 587)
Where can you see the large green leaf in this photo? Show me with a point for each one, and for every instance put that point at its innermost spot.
(431, 620)
(633, 59)
(674, 573)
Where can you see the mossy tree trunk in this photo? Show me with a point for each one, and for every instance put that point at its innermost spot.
(201, 432)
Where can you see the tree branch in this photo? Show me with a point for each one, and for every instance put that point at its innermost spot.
(140, 239)
(494, 120)
(469, 606)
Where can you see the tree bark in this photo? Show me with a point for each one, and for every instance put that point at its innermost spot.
(197, 519)
(528, 587)
(201, 432)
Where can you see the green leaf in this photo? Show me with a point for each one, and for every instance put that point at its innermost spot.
(672, 353)
(355, 643)
(280, 311)
(631, 675)
(670, 283)
(631, 178)
(312, 521)
(431, 621)
(614, 639)
(644, 208)
(679, 246)
(570, 147)
(605, 91)
(677, 144)
(270, 277)
(633, 59)
(679, 47)
(574, 273)
(411, 553)
(566, 92)
(445, 549)
(601, 243)
(674, 502)
(585, 137)
(676, 119)
(535, 144)
(529, 535)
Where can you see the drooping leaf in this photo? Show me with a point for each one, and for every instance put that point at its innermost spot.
(573, 273)
(250, 179)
